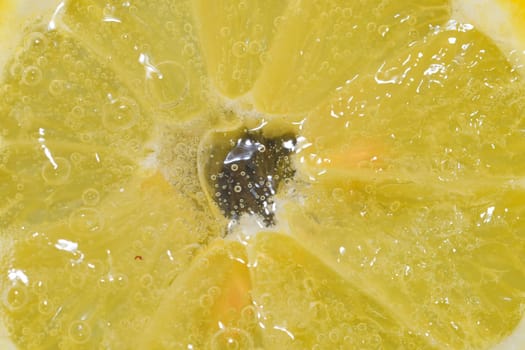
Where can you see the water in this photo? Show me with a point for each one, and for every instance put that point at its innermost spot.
(374, 151)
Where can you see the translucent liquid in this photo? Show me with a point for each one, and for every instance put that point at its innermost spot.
(401, 228)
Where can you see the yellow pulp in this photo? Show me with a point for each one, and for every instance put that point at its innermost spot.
(403, 227)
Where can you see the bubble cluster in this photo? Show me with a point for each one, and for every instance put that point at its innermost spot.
(248, 176)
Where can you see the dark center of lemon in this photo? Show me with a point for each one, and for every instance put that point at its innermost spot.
(248, 176)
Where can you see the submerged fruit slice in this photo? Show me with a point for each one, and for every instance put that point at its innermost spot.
(401, 227)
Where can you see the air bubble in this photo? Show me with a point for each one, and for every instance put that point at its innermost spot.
(225, 31)
(231, 339)
(206, 301)
(383, 30)
(15, 297)
(103, 283)
(76, 158)
(188, 28)
(338, 194)
(86, 220)
(362, 327)
(334, 335)
(120, 114)
(56, 172)
(254, 48)
(395, 206)
(78, 111)
(39, 288)
(189, 50)
(234, 167)
(56, 87)
(239, 49)
(35, 41)
(42, 61)
(146, 280)
(413, 34)
(77, 280)
(32, 76)
(44, 307)
(238, 189)
(412, 20)
(168, 84)
(214, 291)
(90, 197)
(371, 27)
(79, 332)
(249, 313)
(264, 58)
(236, 74)
(121, 281)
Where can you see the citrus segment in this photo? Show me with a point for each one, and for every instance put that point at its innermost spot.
(296, 293)
(41, 183)
(208, 306)
(236, 43)
(444, 258)
(154, 49)
(68, 125)
(453, 83)
(322, 44)
(97, 276)
(55, 90)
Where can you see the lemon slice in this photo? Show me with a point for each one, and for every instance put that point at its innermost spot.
(394, 216)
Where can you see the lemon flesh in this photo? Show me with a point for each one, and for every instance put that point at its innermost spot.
(402, 228)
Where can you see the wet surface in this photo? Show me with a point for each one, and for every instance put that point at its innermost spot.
(248, 176)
